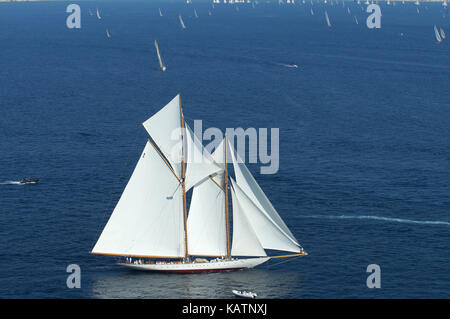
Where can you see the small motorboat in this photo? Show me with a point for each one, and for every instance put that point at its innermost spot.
(29, 181)
(244, 294)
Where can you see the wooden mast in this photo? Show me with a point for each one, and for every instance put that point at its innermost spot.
(183, 177)
(225, 175)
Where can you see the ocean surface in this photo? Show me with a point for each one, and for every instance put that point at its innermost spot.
(364, 122)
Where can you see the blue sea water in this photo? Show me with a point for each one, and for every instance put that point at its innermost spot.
(364, 122)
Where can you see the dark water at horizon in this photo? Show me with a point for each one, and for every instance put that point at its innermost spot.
(364, 140)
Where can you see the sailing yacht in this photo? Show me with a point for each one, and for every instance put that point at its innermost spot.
(160, 13)
(150, 224)
(437, 35)
(98, 14)
(161, 64)
(328, 19)
(181, 22)
(108, 34)
(443, 36)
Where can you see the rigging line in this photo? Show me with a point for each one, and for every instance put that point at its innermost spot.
(282, 262)
(216, 183)
(165, 161)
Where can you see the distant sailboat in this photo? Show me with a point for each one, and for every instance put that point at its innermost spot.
(348, 10)
(328, 19)
(444, 3)
(437, 35)
(161, 64)
(108, 34)
(312, 12)
(181, 22)
(356, 20)
(160, 13)
(90, 12)
(195, 13)
(442, 34)
(98, 14)
(151, 223)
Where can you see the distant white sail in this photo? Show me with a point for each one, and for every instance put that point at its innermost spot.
(181, 22)
(356, 20)
(195, 13)
(161, 64)
(437, 35)
(312, 12)
(328, 19)
(160, 13)
(442, 34)
(108, 34)
(98, 14)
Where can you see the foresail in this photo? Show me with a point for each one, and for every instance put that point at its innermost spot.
(251, 188)
(199, 162)
(268, 234)
(245, 241)
(148, 219)
(206, 220)
(165, 129)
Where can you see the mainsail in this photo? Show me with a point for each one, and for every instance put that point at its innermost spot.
(161, 64)
(328, 19)
(98, 14)
(437, 35)
(207, 221)
(181, 22)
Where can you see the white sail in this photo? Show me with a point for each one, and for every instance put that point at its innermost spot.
(98, 14)
(199, 163)
(245, 241)
(108, 34)
(165, 129)
(328, 19)
(442, 34)
(160, 13)
(148, 219)
(437, 35)
(250, 187)
(206, 223)
(268, 233)
(181, 22)
(195, 13)
(356, 20)
(161, 64)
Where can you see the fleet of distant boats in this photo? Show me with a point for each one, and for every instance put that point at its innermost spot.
(439, 32)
